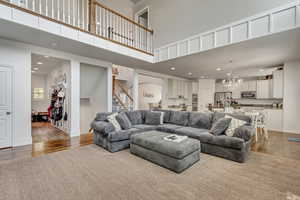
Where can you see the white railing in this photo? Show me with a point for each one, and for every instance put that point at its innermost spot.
(273, 21)
(72, 12)
(116, 27)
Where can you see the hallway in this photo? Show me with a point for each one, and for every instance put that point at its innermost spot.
(45, 132)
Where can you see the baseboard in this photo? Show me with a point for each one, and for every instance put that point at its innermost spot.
(22, 141)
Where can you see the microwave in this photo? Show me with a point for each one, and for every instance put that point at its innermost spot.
(248, 95)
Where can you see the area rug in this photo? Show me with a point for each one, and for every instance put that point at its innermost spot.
(292, 139)
(91, 173)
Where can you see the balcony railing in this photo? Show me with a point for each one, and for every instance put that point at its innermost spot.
(92, 17)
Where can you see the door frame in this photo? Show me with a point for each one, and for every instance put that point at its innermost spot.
(140, 12)
(12, 124)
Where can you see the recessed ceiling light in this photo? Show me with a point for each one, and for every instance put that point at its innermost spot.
(39, 63)
(46, 56)
(36, 68)
(218, 69)
(173, 68)
(228, 74)
(261, 70)
(190, 73)
(32, 71)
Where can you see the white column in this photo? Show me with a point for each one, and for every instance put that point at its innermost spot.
(135, 91)
(164, 95)
(75, 98)
(109, 89)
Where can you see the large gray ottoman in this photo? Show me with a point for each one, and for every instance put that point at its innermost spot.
(171, 155)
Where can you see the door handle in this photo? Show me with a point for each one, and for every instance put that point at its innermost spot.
(8, 113)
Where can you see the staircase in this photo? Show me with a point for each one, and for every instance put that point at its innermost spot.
(122, 98)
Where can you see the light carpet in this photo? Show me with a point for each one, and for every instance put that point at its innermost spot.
(92, 173)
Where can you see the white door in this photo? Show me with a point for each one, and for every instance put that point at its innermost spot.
(5, 107)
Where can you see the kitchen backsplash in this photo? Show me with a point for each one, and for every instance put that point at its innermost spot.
(259, 101)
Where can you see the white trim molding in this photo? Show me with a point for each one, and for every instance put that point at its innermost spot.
(273, 21)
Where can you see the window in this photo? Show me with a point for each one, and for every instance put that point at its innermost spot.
(38, 93)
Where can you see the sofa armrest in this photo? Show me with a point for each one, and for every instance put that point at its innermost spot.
(102, 127)
(102, 116)
(244, 132)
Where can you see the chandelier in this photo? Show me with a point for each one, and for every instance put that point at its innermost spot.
(232, 82)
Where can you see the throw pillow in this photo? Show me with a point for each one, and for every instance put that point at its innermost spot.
(112, 119)
(200, 120)
(235, 123)
(124, 121)
(220, 126)
(135, 117)
(153, 118)
(180, 118)
(162, 114)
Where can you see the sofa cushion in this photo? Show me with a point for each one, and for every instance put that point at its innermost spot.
(102, 116)
(169, 128)
(226, 141)
(218, 115)
(102, 127)
(145, 127)
(135, 117)
(200, 120)
(153, 118)
(220, 126)
(117, 136)
(201, 134)
(123, 121)
(167, 114)
(234, 124)
(244, 132)
(179, 118)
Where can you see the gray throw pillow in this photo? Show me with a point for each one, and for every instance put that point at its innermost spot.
(244, 132)
(220, 126)
(153, 118)
(135, 117)
(180, 118)
(200, 120)
(124, 121)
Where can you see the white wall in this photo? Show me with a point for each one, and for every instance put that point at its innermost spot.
(291, 99)
(39, 81)
(125, 7)
(18, 56)
(93, 92)
(20, 60)
(174, 20)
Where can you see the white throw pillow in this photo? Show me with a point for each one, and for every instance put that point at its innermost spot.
(112, 119)
(162, 114)
(235, 123)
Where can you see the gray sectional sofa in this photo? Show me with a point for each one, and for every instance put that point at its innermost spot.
(192, 124)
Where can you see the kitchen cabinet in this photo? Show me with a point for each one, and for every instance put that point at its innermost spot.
(278, 84)
(263, 90)
(248, 86)
(177, 88)
(195, 87)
